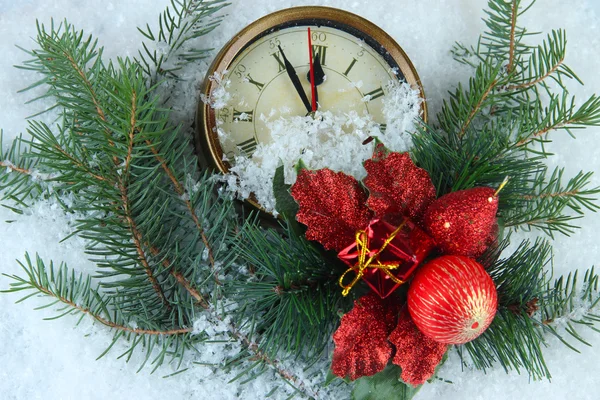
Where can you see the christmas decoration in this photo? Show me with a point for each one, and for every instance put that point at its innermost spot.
(452, 299)
(331, 219)
(362, 348)
(463, 222)
(383, 251)
(385, 255)
(416, 354)
(406, 244)
(397, 185)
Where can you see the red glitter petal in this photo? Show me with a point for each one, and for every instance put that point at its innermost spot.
(463, 222)
(416, 354)
(396, 184)
(332, 205)
(361, 345)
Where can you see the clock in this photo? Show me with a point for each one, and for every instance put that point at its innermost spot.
(267, 67)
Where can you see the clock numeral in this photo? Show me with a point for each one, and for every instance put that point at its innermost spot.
(248, 146)
(382, 127)
(375, 94)
(224, 114)
(279, 57)
(273, 43)
(239, 70)
(319, 36)
(319, 51)
(258, 85)
(354, 60)
(245, 116)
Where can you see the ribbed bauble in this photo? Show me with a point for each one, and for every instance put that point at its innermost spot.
(452, 299)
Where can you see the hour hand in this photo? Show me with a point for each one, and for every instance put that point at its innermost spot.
(319, 73)
(295, 80)
(319, 76)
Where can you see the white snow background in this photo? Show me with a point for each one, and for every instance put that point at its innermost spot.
(55, 360)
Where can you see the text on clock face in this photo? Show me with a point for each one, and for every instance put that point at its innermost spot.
(355, 77)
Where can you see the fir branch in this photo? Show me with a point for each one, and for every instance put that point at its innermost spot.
(67, 57)
(520, 278)
(569, 305)
(514, 7)
(482, 158)
(253, 348)
(575, 194)
(181, 192)
(123, 123)
(531, 306)
(74, 291)
(292, 293)
(562, 113)
(78, 296)
(14, 168)
(256, 354)
(545, 61)
(138, 217)
(464, 105)
(86, 82)
(546, 206)
(187, 285)
(514, 339)
(178, 25)
(138, 240)
(477, 108)
(503, 38)
(76, 163)
(20, 182)
(486, 130)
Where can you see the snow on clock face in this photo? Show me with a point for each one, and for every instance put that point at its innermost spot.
(267, 70)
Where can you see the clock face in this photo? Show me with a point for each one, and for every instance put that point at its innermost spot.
(260, 90)
(357, 61)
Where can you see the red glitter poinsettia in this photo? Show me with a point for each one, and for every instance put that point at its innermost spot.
(416, 354)
(397, 185)
(334, 206)
(361, 341)
(373, 236)
(380, 237)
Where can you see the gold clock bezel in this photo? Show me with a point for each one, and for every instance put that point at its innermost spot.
(207, 141)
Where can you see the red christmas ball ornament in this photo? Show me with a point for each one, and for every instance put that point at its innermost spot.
(463, 222)
(452, 299)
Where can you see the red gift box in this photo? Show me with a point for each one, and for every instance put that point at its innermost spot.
(391, 249)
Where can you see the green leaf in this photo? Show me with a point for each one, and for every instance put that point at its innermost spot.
(300, 166)
(330, 378)
(284, 202)
(378, 145)
(385, 385)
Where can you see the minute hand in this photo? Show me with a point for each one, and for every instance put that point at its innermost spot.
(295, 80)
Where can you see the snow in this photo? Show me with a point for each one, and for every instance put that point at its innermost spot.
(329, 140)
(56, 360)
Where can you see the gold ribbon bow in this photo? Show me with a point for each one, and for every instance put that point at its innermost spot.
(362, 246)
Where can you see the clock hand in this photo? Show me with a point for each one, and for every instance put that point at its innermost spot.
(295, 80)
(319, 73)
(311, 71)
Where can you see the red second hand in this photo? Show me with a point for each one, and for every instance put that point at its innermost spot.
(312, 73)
